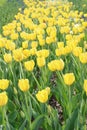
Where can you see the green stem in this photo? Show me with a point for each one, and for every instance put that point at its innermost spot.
(44, 79)
(14, 82)
(74, 60)
(10, 67)
(27, 107)
(70, 107)
(30, 107)
(80, 114)
(21, 73)
(34, 100)
(61, 78)
(36, 80)
(7, 122)
(69, 94)
(43, 108)
(1, 72)
(3, 118)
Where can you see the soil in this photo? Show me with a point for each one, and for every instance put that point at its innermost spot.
(54, 103)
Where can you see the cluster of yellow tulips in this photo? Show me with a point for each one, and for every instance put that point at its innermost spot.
(44, 39)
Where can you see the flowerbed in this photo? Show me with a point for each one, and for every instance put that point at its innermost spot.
(43, 55)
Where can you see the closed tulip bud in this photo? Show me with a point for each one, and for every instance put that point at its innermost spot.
(48, 90)
(22, 114)
(49, 109)
(15, 91)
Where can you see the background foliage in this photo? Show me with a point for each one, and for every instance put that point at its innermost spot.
(7, 10)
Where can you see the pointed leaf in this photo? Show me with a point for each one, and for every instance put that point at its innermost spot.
(71, 121)
(23, 125)
(37, 122)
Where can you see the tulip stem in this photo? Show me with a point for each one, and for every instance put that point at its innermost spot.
(34, 100)
(21, 73)
(10, 67)
(27, 110)
(36, 80)
(70, 107)
(5, 121)
(60, 76)
(8, 125)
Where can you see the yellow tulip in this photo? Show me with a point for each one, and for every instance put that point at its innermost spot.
(26, 53)
(42, 96)
(56, 65)
(40, 61)
(69, 78)
(85, 85)
(34, 44)
(42, 53)
(3, 99)
(24, 85)
(7, 58)
(18, 55)
(25, 44)
(83, 57)
(29, 65)
(77, 51)
(10, 45)
(14, 36)
(4, 83)
(60, 44)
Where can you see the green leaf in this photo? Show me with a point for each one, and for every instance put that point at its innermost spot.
(2, 2)
(55, 121)
(12, 116)
(11, 106)
(84, 96)
(0, 119)
(75, 100)
(71, 121)
(23, 125)
(37, 122)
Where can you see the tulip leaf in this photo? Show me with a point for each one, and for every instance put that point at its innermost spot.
(23, 125)
(12, 116)
(11, 106)
(37, 122)
(70, 123)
